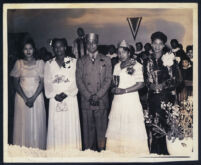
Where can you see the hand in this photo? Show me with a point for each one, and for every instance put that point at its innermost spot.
(119, 91)
(159, 87)
(94, 98)
(113, 90)
(156, 87)
(30, 101)
(58, 98)
(28, 104)
(63, 95)
(93, 103)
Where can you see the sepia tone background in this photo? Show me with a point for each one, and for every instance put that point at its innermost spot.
(110, 24)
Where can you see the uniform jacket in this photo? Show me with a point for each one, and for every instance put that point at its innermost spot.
(94, 78)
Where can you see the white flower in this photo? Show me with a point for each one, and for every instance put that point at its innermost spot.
(168, 59)
(175, 108)
(163, 105)
(67, 61)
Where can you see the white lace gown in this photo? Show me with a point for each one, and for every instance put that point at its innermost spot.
(126, 129)
(29, 123)
(63, 123)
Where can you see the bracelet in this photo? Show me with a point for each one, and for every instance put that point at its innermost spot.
(126, 91)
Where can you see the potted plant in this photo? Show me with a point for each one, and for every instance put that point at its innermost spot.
(179, 135)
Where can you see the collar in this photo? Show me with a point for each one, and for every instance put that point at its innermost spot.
(175, 50)
(138, 52)
(93, 54)
(188, 66)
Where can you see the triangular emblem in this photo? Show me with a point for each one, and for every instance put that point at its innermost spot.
(134, 24)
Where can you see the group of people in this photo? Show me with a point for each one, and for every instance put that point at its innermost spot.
(93, 77)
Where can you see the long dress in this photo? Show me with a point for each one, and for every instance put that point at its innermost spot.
(63, 123)
(126, 129)
(29, 123)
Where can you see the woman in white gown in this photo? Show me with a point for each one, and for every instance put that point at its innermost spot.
(29, 116)
(126, 129)
(60, 87)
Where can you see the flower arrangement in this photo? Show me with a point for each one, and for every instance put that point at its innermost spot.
(130, 69)
(179, 119)
(168, 59)
(66, 63)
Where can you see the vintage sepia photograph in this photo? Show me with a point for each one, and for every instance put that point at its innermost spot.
(100, 82)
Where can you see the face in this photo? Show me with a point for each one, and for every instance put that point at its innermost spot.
(158, 45)
(147, 47)
(59, 49)
(185, 63)
(123, 54)
(28, 50)
(174, 45)
(190, 53)
(92, 46)
(80, 33)
(138, 47)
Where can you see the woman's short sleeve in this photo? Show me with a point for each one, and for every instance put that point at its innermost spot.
(138, 73)
(15, 72)
(41, 68)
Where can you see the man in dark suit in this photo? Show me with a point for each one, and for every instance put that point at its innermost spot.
(79, 44)
(94, 75)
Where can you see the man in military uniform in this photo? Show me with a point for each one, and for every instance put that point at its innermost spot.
(94, 75)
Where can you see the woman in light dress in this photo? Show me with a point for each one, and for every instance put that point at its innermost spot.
(29, 115)
(126, 129)
(60, 87)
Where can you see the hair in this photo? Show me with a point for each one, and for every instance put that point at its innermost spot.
(132, 50)
(186, 58)
(147, 45)
(125, 49)
(63, 40)
(112, 46)
(159, 35)
(174, 41)
(181, 46)
(189, 47)
(166, 49)
(30, 41)
(68, 51)
(139, 43)
(80, 29)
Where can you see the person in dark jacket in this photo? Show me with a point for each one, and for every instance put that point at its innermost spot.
(94, 76)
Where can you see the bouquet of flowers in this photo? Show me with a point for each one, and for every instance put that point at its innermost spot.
(179, 119)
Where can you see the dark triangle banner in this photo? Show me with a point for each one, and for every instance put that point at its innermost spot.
(134, 24)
